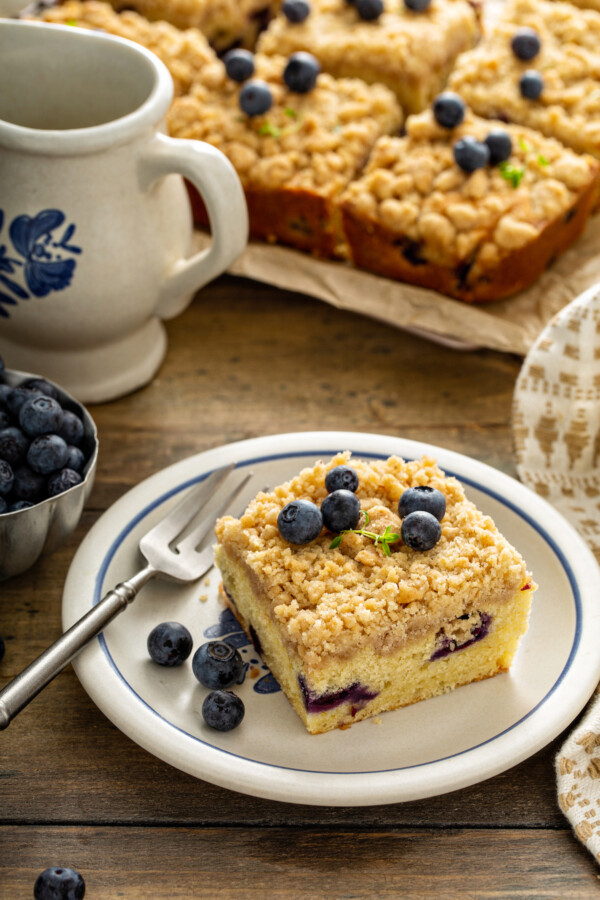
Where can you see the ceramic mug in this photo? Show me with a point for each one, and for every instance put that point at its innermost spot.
(94, 226)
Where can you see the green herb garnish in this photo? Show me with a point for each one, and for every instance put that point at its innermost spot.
(291, 113)
(524, 145)
(271, 130)
(511, 173)
(385, 539)
(542, 161)
(71, 22)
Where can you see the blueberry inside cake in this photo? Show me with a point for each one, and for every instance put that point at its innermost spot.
(367, 586)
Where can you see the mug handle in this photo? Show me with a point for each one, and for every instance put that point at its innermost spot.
(212, 174)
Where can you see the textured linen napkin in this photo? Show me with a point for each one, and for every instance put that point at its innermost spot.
(556, 429)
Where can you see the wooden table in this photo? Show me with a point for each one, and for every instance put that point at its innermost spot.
(247, 360)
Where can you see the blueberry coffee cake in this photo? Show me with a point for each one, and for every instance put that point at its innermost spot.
(540, 67)
(295, 136)
(408, 45)
(472, 208)
(367, 586)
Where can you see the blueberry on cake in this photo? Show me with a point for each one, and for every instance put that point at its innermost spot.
(364, 603)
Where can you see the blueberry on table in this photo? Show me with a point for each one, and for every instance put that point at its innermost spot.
(295, 11)
(301, 71)
(531, 84)
(169, 644)
(47, 453)
(7, 478)
(417, 5)
(71, 430)
(223, 710)
(59, 883)
(62, 481)
(425, 498)
(40, 415)
(341, 478)
(255, 98)
(28, 485)
(526, 44)
(471, 154)
(449, 109)
(420, 530)
(13, 445)
(499, 143)
(217, 664)
(369, 10)
(239, 64)
(340, 510)
(300, 522)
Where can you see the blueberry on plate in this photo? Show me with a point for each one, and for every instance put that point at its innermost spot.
(239, 64)
(340, 510)
(531, 84)
(71, 430)
(217, 665)
(341, 478)
(255, 97)
(499, 143)
(369, 10)
(417, 5)
(40, 415)
(300, 522)
(47, 453)
(295, 11)
(301, 71)
(169, 644)
(420, 530)
(62, 481)
(13, 445)
(59, 883)
(471, 154)
(7, 478)
(422, 497)
(449, 109)
(223, 710)
(526, 44)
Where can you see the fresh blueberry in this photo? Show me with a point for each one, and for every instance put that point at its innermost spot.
(41, 385)
(300, 522)
(217, 665)
(62, 481)
(425, 498)
(471, 154)
(6, 419)
(59, 883)
(341, 478)
(340, 510)
(239, 64)
(449, 109)
(417, 5)
(420, 530)
(47, 453)
(369, 10)
(223, 710)
(526, 44)
(531, 84)
(13, 445)
(29, 485)
(17, 397)
(301, 71)
(71, 430)
(295, 11)
(3, 506)
(18, 505)
(1, 366)
(5, 390)
(499, 144)
(169, 644)
(7, 478)
(75, 459)
(2, 649)
(40, 415)
(255, 97)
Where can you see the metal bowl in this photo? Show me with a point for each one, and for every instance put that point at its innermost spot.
(27, 534)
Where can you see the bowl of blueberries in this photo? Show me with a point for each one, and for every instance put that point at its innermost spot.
(48, 453)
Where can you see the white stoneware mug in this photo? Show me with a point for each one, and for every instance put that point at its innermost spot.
(94, 227)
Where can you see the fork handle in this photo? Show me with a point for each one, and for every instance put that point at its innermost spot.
(18, 692)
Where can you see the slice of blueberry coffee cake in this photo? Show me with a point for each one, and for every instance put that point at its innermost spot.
(367, 586)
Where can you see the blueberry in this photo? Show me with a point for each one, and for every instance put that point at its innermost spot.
(223, 710)
(47, 453)
(301, 71)
(239, 64)
(17, 397)
(40, 415)
(255, 98)
(169, 644)
(531, 84)
(75, 459)
(7, 478)
(71, 430)
(420, 530)
(471, 154)
(5, 390)
(217, 664)
(62, 481)
(340, 510)
(526, 43)
(2, 649)
(29, 485)
(18, 505)
(41, 385)
(369, 10)
(1, 366)
(499, 144)
(58, 883)
(417, 5)
(341, 478)
(300, 522)
(295, 11)
(449, 109)
(423, 498)
(6, 419)
(3, 506)
(13, 445)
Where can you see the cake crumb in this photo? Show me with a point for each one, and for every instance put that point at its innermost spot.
(377, 720)
(203, 598)
(254, 672)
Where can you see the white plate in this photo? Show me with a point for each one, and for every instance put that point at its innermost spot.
(429, 748)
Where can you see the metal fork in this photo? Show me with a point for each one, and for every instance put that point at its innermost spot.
(169, 553)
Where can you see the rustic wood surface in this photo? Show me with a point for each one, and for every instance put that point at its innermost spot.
(247, 360)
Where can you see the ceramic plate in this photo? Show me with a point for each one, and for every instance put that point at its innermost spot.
(429, 748)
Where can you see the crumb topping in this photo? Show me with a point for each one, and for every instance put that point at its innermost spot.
(329, 603)
(315, 141)
(569, 106)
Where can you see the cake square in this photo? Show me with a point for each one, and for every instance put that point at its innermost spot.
(350, 632)
(568, 107)
(410, 52)
(294, 160)
(415, 215)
